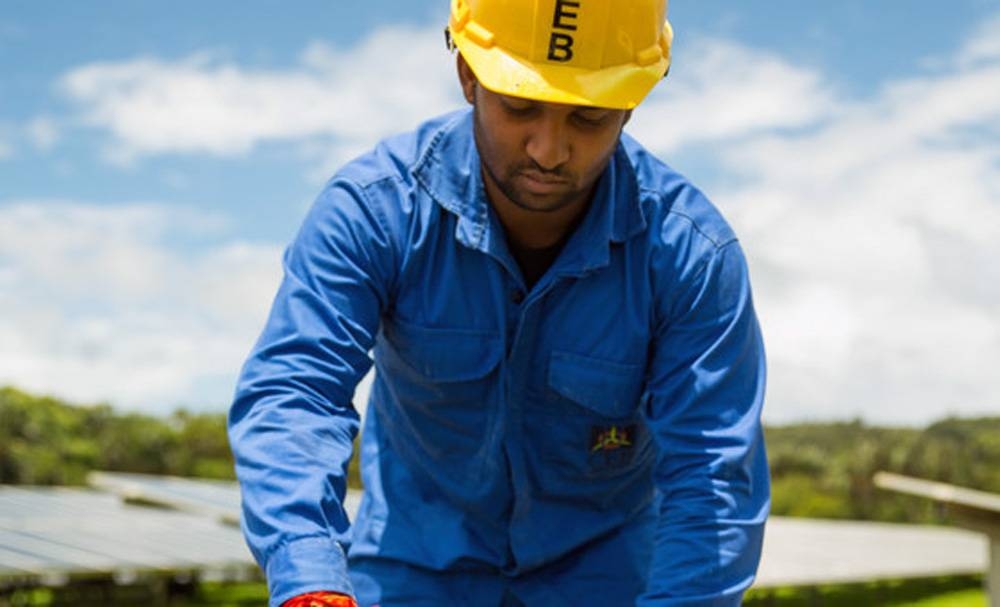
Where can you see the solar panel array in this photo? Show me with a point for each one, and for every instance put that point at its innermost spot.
(216, 499)
(809, 552)
(54, 534)
(125, 526)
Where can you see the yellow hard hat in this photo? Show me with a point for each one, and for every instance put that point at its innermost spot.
(603, 53)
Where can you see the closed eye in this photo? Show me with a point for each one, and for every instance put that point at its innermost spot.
(587, 118)
(518, 107)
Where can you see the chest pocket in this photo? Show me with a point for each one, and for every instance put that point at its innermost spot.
(594, 428)
(444, 355)
(608, 388)
(440, 402)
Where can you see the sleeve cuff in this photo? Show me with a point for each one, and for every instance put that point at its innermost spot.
(307, 565)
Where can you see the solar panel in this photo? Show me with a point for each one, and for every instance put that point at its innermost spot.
(807, 552)
(46, 531)
(216, 499)
(53, 533)
(213, 498)
(59, 533)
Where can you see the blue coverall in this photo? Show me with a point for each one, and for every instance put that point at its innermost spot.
(592, 440)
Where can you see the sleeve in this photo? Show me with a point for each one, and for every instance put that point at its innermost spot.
(706, 389)
(292, 423)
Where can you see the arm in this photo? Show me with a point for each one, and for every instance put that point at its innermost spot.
(292, 424)
(706, 386)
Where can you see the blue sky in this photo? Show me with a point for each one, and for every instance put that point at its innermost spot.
(155, 158)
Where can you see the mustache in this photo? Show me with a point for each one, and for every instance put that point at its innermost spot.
(530, 166)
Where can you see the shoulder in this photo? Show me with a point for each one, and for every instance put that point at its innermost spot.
(683, 225)
(671, 204)
(396, 157)
(687, 240)
(383, 183)
(377, 201)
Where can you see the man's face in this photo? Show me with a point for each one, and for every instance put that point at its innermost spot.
(541, 157)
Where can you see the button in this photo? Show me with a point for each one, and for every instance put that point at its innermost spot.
(517, 296)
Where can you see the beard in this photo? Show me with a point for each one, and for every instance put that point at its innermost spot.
(528, 201)
(506, 178)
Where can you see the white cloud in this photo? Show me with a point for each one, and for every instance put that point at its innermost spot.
(722, 91)
(96, 305)
(984, 45)
(391, 81)
(42, 132)
(873, 233)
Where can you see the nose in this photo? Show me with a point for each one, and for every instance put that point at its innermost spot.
(548, 144)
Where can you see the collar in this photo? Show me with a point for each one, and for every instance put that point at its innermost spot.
(449, 171)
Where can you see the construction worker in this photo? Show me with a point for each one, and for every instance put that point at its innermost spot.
(569, 370)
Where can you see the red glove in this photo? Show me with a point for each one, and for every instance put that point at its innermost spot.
(320, 599)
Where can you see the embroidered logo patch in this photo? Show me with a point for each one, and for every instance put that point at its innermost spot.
(605, 439)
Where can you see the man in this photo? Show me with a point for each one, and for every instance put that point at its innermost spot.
(569, 371)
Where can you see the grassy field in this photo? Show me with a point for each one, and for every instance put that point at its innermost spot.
(938, 592)
(946, 591)
(950, 591)
(964, 598)
(963, 591)
(922, 593)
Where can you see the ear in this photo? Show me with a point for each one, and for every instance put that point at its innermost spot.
(467, 78)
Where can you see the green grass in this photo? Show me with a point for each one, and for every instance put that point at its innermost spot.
(952, 591)
(964, 598)
(945, 591)
(949, 591)
(227, 595)
(964, 591)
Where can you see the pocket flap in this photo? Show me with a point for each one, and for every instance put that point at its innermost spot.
(445, 354)
(609, 388)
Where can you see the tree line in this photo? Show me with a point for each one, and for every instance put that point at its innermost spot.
(821, 470)
(825, 470)
(46, 441)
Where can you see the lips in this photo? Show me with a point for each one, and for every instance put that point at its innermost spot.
(540, 183)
